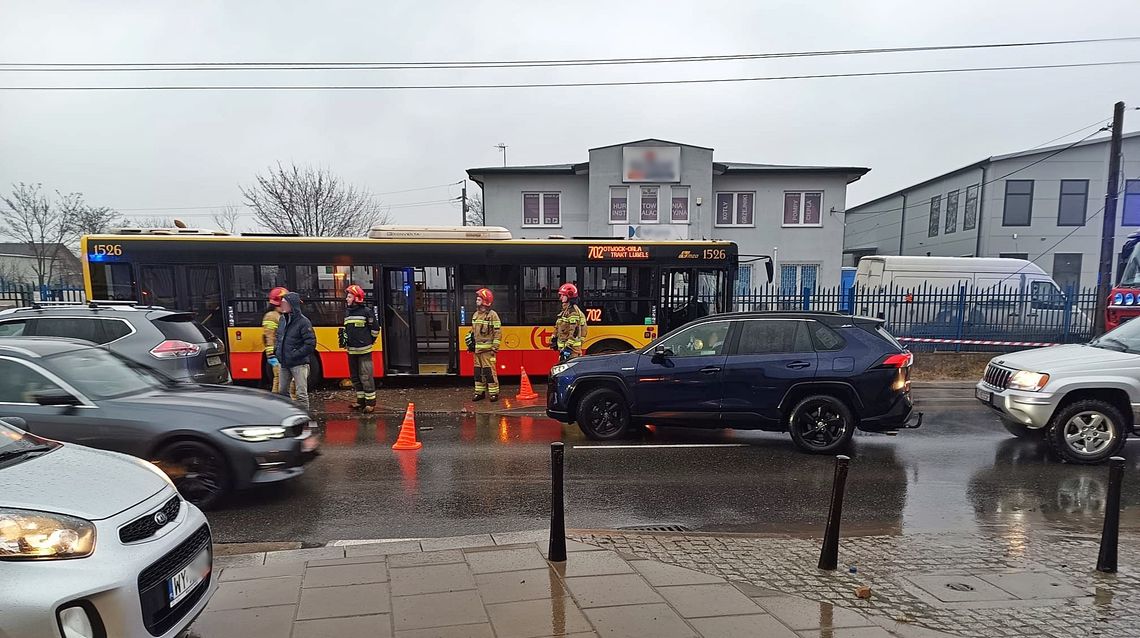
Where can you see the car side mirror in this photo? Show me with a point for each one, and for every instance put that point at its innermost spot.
(54, 396)
(15, 422)
(662, 352)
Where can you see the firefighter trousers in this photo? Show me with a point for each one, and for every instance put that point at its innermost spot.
(360, 369)
(486, 374)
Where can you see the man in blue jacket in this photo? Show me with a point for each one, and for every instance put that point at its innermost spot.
(296, 342)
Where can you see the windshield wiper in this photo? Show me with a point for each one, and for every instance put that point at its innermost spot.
(1103, 340)
(31, 449)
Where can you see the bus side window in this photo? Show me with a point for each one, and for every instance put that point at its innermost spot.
(112, 282)
(158, 288)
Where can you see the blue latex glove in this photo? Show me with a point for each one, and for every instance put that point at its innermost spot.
(273, 362)
(565, 354)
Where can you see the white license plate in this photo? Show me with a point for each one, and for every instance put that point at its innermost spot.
(983, 395)
(181, 584)
(213, 361)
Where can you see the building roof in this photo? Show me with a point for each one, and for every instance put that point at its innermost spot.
(855, 172)
(652, 139)
(986, 162)
(22, 249)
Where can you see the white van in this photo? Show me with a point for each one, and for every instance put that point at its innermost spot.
(1005, 298)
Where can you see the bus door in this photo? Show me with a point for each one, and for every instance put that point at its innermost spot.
(399, 326)
(678, 298)
(435, 314)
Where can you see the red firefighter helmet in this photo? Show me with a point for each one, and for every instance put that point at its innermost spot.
(357, 293)
(276, 294)
(568, 290)
(486, 295)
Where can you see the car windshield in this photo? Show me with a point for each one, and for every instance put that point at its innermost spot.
(1125, 338)
(99, 374)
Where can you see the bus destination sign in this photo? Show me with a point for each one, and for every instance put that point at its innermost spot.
(617, 252)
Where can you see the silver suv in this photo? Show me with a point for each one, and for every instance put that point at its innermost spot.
(1083, 399)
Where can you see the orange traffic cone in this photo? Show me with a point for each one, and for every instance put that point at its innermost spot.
(526, 392)
(407, 439)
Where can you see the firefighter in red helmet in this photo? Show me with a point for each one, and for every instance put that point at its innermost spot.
(487, 333)
(269, 324)
(357, 337)
(570, 326)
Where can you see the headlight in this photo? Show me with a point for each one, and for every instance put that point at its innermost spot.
(31, 535)
(1129, 299)
(562, 367)
(256, 433)
(1118, 299)
(1025, 380)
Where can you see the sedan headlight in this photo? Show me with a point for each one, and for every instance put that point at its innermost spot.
(256, 433)
(31, 535)
(562, 367)
(1026, 380)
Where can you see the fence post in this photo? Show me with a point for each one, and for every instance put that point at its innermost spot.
(1067, 317)
(961, 317)
(556, 550)
(851, 301)
(807, 298)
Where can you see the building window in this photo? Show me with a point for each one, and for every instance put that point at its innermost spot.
(679, 211)
(794, 278)
(619, 204)
(803, 209)
(1131, 216)
(1018, 203)
(650, 204)
(1067, 270)
(542, 209)
(743, 280)
(735, 209)
(935, 212)
(951, 212)
(970, 219)
(1073, 202)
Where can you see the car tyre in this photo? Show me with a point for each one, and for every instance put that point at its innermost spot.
(603, 415)
(1023, 431)
(821, 424)
(1087, 432)
(199, 471)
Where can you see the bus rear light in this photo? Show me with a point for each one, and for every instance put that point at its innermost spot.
(174, 349)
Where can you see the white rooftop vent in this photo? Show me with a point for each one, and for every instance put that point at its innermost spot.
(167, 231)
(474, 233)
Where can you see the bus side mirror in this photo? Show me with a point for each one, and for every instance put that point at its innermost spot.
(770, 269)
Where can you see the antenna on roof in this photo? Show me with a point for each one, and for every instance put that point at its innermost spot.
(503, 147)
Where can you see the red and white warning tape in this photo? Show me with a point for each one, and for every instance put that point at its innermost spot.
(978, 342)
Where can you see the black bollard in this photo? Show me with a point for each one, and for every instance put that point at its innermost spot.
(1106, 560)
(829, 555)
(556, 551)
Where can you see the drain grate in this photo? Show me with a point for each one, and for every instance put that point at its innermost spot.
(656, 528)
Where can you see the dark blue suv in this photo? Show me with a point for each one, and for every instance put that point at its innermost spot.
(816, 375)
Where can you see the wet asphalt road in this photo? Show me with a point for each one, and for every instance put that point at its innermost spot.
(476, 474)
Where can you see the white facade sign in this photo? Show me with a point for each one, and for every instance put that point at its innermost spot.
(652, 232)
(655, 164)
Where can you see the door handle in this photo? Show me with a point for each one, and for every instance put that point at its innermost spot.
(799, 365)
(710, 369)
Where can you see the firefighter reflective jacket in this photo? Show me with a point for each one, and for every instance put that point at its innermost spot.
(488, 330)
(360, 329)
(269, 324)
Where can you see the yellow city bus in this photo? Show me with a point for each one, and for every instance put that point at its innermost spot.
(421, 282)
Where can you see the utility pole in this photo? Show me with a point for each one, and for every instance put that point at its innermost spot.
(464, 202)
(502, 147)
(1104, 279)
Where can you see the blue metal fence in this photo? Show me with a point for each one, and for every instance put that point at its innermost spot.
(20, 294)
(948, 317)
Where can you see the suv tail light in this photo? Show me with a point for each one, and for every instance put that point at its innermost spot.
(174, 349)
(900, 360)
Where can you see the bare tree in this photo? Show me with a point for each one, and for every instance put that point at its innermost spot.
(312, 202)
(475, 215)
(43, 225)
(228, 218)
(149, 222)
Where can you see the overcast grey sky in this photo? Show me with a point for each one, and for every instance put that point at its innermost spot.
(135, 150)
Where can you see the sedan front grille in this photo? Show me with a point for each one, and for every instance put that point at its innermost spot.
(148, 525)
(158, 615)
(997, 377)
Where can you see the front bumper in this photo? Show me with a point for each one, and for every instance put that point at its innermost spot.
(274, 460)
(557, 395)
(1031, 409)
(107, 583)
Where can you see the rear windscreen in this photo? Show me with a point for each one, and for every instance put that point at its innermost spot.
(183, 328)
(882, 332)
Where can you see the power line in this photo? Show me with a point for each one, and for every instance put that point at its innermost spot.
(493, 64)
(543, 85)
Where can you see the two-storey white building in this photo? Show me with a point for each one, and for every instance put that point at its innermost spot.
(655, 189)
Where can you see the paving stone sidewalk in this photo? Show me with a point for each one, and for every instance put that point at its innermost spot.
(1002, 582)
(502, 586)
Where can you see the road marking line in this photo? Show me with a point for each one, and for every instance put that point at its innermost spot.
(642, 447)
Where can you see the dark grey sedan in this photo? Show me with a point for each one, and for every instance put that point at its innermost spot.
(210, 439)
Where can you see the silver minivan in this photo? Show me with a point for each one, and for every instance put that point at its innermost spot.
(95, 544)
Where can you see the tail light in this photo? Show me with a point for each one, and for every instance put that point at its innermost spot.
(900, 360)
(174, 349)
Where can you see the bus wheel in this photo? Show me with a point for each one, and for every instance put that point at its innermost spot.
(609, 346)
